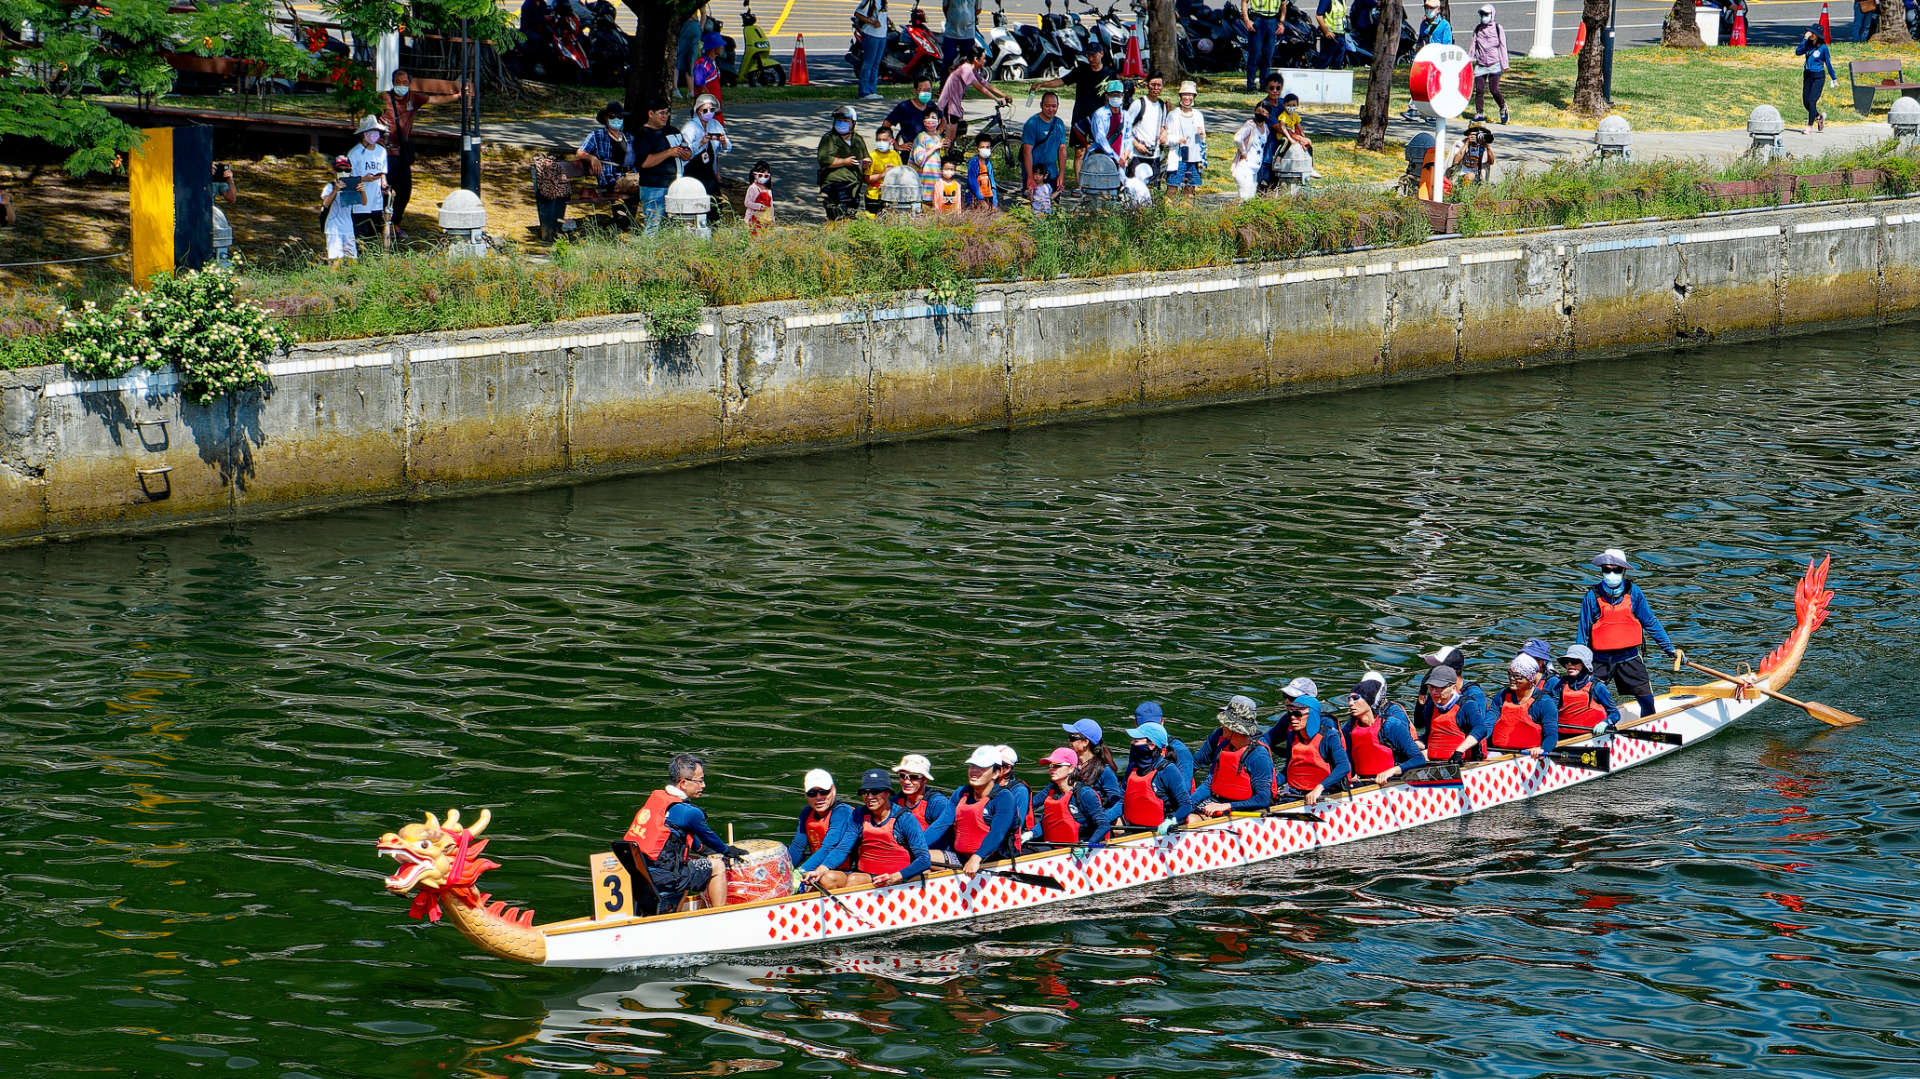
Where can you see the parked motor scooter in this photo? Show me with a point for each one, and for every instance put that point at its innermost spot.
(758, 67)
(568, 26)
(607, 45)
(1042, 52)
(1005, 57)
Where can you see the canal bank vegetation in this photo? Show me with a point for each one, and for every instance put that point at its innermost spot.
(669, 278)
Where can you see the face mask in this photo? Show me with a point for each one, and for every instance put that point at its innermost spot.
(1114, 102)
(616, 124)
(1486, 20)
(1139, 757)
(924, 96)
(400, 91)
(704, 113)
(884, 144)
(763, 179)
(842, 126)
(1613, 578)
(986, 152)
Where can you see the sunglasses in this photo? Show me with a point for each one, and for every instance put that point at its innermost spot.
(904, 776)
(819, 792)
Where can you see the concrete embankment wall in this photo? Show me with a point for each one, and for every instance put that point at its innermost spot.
(363, 421)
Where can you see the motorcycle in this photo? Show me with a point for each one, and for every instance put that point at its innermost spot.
(910, 54)
(1005, 57)
(1042, 53)
(570, 40)
(607, 45)
(759, 68)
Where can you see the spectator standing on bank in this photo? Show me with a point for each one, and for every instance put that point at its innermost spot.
(843, 160)
(224, 189)
(686, 50)
(706, 70)
(929, 147)
(886, 155)
(1185, 137)
(368, 160)
(658, 161)
(873, 43)
(963, 23)
(946, 189)
(1043, 144)
(705, 138)
(980, 193)
(336, 214)
(401, 103)
(908, 118)
(953, 94)
(1865, 14)
(759, 200)
(1109, 131)
(1089, 81)
(1488, 52)
(1435, 29)
(1250, 152)
(1262, 18)
(1147, 115)
(1815, 71)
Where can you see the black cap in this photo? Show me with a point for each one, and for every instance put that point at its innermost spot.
(876, 779)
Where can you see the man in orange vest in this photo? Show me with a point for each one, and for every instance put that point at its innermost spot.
(1615, 621)
(669, 831)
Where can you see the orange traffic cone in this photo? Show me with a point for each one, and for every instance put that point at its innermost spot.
(1826, 32)
(798, 76)
(1580, 37)
(1739, 29)
(1132, 68)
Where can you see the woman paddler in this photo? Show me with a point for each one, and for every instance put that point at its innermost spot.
(1096, 761)
(891, 848)
(1022, 794)
(825, 832)
(1177, 751)
(1456, 724)
(918, 797)
(1311, 745)
(1157, 794)
(1583, 700)
(1070, 814)
(985, 816)
(1380, 742)
(1526, 719)
(1242, 778)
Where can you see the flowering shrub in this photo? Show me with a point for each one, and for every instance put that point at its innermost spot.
(218, 342)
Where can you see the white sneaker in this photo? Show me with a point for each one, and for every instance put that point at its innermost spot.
(871, 97)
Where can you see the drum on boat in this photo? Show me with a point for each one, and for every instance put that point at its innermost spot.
(765, 873)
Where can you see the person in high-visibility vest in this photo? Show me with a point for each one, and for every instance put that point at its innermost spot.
(1262, 18)
(1615, 621)
(1332, 17)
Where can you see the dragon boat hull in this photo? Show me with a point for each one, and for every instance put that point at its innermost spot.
(1685, 716)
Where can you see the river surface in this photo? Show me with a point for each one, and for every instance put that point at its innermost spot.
(205, 731)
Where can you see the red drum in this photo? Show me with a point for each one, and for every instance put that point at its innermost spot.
(765, 873)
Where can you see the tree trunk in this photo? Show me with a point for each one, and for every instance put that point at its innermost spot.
(1386, 49)
(1892, 27)
(1163, 41)
(1586, 75)
(1680, 30)
(650, 51)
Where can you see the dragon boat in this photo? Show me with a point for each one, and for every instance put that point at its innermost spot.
(441, 862)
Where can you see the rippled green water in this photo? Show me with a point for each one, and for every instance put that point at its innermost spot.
(206, 731)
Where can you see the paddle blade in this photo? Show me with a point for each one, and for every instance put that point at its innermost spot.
(1295, 814)
(1038, 880)
(1831, 716)
(1665, 738)
(1592, 758)
(1438, 774)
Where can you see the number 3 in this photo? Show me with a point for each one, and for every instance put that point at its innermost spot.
(616, 901)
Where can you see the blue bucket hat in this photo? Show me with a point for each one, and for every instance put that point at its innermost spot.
(712, 42)
(1085, 728)
(1148, 712)
(1152, 732)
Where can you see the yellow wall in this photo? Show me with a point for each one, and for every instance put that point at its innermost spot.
(150, 180)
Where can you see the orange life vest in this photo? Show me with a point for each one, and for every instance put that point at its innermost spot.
(1056, 818)
(1230, 780)
(1515, 729)
(1578, 713)
(880, 850)
(817, 825)
(1616, 628)
(649, 829)
(969, 824)
(1306, 765)
(1370, 755)
(1443, 731)
(1140, 805)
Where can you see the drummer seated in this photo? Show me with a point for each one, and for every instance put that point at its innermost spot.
(668, 835)
(892, 847)
(825, 832)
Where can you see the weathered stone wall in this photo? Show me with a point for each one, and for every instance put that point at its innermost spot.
(417, 417)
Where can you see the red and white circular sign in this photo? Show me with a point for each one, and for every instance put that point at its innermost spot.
(1441, 81)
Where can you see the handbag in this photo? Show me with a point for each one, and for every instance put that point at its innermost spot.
(550, 180)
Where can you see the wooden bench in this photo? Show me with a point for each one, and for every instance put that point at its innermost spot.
(1863, 92)
(582, 187)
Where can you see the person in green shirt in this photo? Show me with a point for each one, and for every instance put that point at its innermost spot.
(843, 162)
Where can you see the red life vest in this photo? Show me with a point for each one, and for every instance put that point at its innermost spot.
(969, 824)
(1056, 818)
(817, 829)
(649, 828)
(1230, 781)
(880, 850)
(918, 809)
(1515, 729)
(1578, 713)
(1140, 804)
(1443, 732)
(1616, 627)
(1306, 765)
(1370, 755)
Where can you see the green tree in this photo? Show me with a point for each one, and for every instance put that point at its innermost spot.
(56, 57)
(650, 53)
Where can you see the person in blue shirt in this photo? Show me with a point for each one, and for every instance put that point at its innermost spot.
(1067, 813)
(1043, 144)
(1525, 717)
(1156, 794)
(1615, 621)
(1022, 794)
(1434, 30)
(825, 831)
(668, 834)
(1582, 700)
(1444, 656)
(1096, 761)
(1457, 724)
(1149, 712)
(986, 819)
(1242, 776)
(1309, 751)
(1380, 742)
(891, 847)
(917, 796)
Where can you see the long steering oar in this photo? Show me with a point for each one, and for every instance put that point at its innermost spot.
(1831, 716)
(1038, 880)
(838, 902)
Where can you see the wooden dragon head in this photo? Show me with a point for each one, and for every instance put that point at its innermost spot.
(437, 861)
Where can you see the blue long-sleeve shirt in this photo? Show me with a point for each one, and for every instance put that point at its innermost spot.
(1590, 610)
(906, 829)
(1183, 757)
(1333, 748)
(1003, 815)
(1257, 762)
(1084, 804)
(1474, 718)
(1108, 786)
(1175, 791)
(1396, 733)
(689, 819)
(843, 831)
(1818, 56)
(939, 818)
(1545, 710)
(1602, 698)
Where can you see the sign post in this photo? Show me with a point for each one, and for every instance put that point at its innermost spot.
(1441, 81)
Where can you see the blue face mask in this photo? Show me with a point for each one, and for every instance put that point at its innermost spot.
(615, 124)
(842, 126)
(1613, 578)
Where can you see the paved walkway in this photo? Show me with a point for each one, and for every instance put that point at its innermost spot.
(787, 135)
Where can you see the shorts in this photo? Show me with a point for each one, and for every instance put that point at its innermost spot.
(674, 887)
(1184, 174)
(1628, 673)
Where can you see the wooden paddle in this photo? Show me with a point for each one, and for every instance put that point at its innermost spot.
(1296, 814)
(838, 902)
(1665, 738)
(1831, 716)
(1592, 758)
(1038, 880)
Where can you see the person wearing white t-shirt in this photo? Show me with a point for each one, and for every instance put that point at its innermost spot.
(1147, 114)
(336, 220)
(369, 162)
(1185, 137)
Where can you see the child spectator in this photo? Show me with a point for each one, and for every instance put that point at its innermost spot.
(706, 70)
(884, 155)
(980, 190)
(946, 191)
(1135, 185)
(759, 200)
(1043, 193)
(928, 147)
(336, 214)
